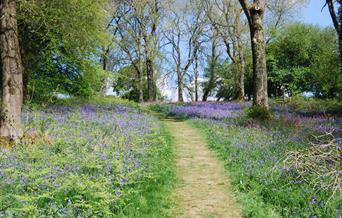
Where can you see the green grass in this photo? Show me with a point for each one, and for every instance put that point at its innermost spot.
(154, 200)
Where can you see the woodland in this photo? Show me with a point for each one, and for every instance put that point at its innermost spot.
(170, 108)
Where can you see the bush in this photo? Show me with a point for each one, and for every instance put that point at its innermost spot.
(160, 108)
(258, 113)
(314, 106)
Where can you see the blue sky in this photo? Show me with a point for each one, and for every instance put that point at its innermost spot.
(313, 14)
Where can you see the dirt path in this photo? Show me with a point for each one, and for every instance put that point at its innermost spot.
(204, 188)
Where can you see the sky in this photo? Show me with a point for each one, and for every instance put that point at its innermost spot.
(313, 14)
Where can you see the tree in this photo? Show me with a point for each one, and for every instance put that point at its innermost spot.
(183, 35)
(337, 21)
(127, 24)
(60, 41)
(279, 12)
(304, 58)
(255, 15)
(211, 71)
(12, 72)
(136, 25)
(225, 17)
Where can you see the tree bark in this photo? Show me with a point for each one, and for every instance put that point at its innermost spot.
(140, 71)
(255, 17)
(150, 80)
(141, 83)
(180, 89)
(12, 72)
(337, 22)
(196, 79)
(212, 71)
(241, 57)
(242, 83)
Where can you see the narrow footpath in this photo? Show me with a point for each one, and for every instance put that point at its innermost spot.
(203, 189)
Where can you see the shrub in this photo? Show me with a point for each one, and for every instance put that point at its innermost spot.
(259, 113)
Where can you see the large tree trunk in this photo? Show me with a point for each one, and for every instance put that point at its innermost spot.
(12, 72)
(259, 59)
(255, 17)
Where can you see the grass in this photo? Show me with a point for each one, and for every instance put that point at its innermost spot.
(153, 200)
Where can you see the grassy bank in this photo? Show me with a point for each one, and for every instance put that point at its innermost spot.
(103, 158)
(265, 185)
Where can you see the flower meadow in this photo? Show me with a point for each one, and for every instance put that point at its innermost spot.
(212, 110)
(93, 160)
(257, 155)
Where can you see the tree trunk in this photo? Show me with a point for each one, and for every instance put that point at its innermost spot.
(241, 57)
(140, 71)
(242, 83)
(180, 88)
(337, 22)
(12, 72)
(196, 79)
(255, 17)
(150, 80)
(260, 97)
(140, 86)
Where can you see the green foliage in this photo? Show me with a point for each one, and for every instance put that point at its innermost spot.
(304, 58)
(160, 108)
(313, 106)
(95, 100)
(126, 84)
(81, 81)
(60, 40)
(229, 81)
(259, 113)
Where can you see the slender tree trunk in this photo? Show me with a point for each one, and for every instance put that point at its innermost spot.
(141, 85)
(242, 83)
(140, 71)
(105, 58)
(150, 80)
(180, 89)
(12, 72)
(212, 71)
(241, 57)
(149, 69)
(196, 79)
(242, 68)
